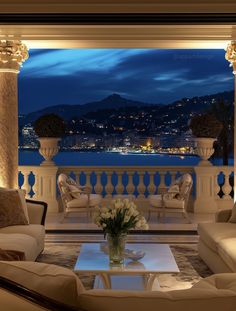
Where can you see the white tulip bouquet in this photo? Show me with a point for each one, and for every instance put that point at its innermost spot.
(119, 218)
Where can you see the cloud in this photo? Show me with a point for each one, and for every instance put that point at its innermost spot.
(46, 63)
(77, 76)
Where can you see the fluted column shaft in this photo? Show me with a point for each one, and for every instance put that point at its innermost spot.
(8, 130)
(12, 54)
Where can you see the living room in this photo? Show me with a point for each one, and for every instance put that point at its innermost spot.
(93, 234)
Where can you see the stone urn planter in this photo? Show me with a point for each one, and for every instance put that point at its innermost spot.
(48, 149)
(204, 149)
(49, 129)
(206, 128)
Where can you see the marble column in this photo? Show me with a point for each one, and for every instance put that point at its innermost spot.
(12, 55)
(231, 57)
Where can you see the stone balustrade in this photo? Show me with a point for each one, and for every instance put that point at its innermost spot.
(212, 188)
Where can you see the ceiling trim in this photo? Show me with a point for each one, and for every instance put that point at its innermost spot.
(120, 36)
(117, 6)
(119, 19)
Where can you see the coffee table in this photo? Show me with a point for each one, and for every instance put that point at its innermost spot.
(93, 259)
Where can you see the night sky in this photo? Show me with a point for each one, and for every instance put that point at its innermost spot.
(78, 76)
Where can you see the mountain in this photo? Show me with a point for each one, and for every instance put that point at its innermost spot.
(184, 106)
(68, 112)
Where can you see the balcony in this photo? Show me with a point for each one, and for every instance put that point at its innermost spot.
(212, 191)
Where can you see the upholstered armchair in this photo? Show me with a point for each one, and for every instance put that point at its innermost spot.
(176, 198)
(75, 198)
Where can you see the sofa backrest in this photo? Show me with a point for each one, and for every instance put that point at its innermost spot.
(217, 292)
(193, 299)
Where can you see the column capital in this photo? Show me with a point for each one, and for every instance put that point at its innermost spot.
(230, 55)
(12, 54)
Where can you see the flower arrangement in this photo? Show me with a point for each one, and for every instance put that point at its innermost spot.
(119, 218)
(116, 220)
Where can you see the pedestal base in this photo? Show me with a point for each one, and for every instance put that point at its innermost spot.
(126, 282)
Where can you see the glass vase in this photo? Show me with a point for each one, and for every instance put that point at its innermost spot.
(116, 248)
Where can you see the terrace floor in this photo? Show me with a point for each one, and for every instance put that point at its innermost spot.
(172, 222)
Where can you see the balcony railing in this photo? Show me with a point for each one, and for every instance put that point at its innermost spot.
(213, 182)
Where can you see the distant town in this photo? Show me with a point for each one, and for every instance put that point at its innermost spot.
(116, 124)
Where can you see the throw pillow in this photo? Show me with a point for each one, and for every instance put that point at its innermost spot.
(23, 203)
(233, 215)
(74, 191)
(22, 194)
(11, 255)
(11, 211)
(184, 190)
(173, 191)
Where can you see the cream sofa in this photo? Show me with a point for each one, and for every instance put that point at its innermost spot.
(59, 285)
(27, 238)
(217, 243)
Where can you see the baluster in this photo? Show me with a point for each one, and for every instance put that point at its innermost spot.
(119, 186)
(77, 178)
(35, 186)
(98, 187)
(173, 176)
(162, 185)
(141, 187)
(88, 182)
(216, 186)
(109, 187)
(226, 187)
(151, 186)
(130, 186)
(26, 186)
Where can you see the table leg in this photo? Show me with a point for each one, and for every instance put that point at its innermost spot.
(149, 280)
(106, 280)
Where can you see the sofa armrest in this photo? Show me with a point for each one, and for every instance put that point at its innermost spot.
(32, 297)
(223, 216)
(225, 281)
(37, 211)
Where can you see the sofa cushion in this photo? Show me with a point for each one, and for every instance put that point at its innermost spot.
(94, 199)
(20, 242)
(11, 208)
(155, 200)
(227, 251)
(35, 231)
(81, 202)
(169, 201)
(213, 233)
(52, 281)
(173, 203)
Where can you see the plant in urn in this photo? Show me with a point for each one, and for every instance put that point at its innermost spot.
(49, 128)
